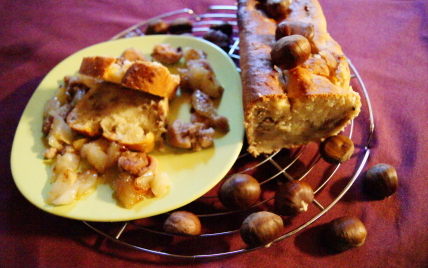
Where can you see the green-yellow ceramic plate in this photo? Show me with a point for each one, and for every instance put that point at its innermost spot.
(192, 174)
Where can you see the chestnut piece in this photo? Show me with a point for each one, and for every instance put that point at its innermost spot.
(345, 233)
(287, 28)
(381, 181)
(224, 27)
(240, 191)
(166, 54)
(277, 9)
(336, 149)
(180, 26)
(133, 54)
(157, 26)
(290, 51)
(293, 197)
(218, 37)
(182, 223)
(261, 228)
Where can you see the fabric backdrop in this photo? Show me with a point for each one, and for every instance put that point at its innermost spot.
(387, 41)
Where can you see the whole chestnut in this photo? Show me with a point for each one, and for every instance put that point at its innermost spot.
(345, 233)
(290, 51)
(336, 149)
(182, 223)
(240, 191)
(381, 180)
(293, 197)
(277, 9)
(261, 228)
(218, 37)
(287, 28)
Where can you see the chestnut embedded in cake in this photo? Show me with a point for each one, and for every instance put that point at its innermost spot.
(288, 101)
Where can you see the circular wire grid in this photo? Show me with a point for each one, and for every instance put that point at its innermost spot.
(220, 236)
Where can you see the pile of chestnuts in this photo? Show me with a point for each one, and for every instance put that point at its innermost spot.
(242, 191)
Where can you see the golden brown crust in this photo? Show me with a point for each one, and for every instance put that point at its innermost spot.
(96, 66)
(279, 106)
(150, 77)
(257, 35)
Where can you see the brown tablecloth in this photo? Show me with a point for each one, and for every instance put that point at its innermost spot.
(387, 41)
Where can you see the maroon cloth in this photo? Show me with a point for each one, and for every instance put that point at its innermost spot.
(387, 41)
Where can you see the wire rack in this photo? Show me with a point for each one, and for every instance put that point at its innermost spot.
(220, 224)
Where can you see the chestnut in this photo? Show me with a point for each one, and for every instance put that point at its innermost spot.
(261, 228)
(381, 181)
(182, 223)
(218, 37)
(240, 191)
(157, 26)
(277, 9)
(180, 26)
(293, 197)
(336, 149)
(224, 27)
(345, 233)
(287, 28)
(290, 51)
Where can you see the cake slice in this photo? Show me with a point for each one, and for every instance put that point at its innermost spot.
(132, 118)
(289, 108)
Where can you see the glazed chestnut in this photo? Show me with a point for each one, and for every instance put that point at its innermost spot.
(287, 28)
(261, 228)
(336, 149)
(240, 191)
(277, 8)
(157, 26)
(345, 233)
(290, 51)
(381, 180)
(293, 197)
(180, 26)
(182, 223)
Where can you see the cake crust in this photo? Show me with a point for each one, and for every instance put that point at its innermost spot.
(150, 77)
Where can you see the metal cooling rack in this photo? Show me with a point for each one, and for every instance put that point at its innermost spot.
(270, 170)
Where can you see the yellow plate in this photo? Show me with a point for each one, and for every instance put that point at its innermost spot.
(192, 174)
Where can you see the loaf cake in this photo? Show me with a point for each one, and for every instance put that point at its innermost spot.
(289, 108)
